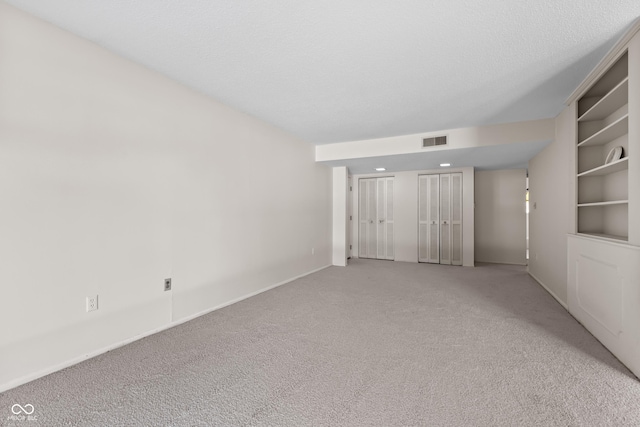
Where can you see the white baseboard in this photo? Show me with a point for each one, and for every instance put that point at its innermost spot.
(58, 367)
(501, 262)
(562, 303)
(233, 301)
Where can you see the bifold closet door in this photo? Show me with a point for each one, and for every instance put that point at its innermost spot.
(429, 218)
(385, 218)
(456, 219)
(440, 218)
(368, 232)
(445, 219)
(375, 217)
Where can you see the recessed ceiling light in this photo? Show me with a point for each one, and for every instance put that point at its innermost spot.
(444, 165)
(380, 169)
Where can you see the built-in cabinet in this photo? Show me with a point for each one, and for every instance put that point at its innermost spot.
(376, 223)
(440, 218)
(603, 155)
(603, 277)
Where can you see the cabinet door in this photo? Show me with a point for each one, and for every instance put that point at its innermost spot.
(445, 219)
(429, 218)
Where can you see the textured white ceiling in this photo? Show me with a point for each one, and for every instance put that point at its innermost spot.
(341, 70)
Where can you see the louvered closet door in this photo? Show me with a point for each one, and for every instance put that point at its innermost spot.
(429, 218)
(390, 220)
(367, 232)
(376, 222)
(440, 218)
(445, 219)
(385, 218)
(456, 218)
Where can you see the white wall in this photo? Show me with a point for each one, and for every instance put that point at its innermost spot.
(405, 211)
(551, 212)
(112, 178)
(340, 218)
(500, 216)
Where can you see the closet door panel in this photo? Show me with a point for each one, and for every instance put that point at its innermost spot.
(367, 239)
(390, 241)
(372, 237)
(456, 244)
(375, 217)
(423, 218)
(456, 218)
(363, 219)
(445, 219)
(380, 219)
(433, 197)
(440, 218)
(429, 218)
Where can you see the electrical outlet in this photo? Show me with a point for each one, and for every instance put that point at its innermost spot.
(167, 284)
(92, 303)
(313, 251)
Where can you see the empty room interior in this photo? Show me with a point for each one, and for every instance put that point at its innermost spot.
(320, 213)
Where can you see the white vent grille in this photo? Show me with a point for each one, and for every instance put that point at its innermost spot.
(433, 141)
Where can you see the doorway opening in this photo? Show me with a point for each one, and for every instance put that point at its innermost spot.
(526, 209)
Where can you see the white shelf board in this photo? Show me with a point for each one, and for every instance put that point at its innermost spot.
(609, 103)
(607, 169)
(608, 134)
(605, 236)
(609, 203)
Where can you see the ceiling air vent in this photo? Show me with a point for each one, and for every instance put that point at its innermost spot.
(433, 141)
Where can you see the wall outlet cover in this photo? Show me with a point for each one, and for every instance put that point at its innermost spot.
(92, 303)
(167, 284)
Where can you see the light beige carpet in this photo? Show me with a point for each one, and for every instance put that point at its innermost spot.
(377, 343)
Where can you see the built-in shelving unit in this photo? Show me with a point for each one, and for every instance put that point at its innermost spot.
(608, 168)
(608, 103)
(603, 124)
(603, 250)
(613, 202)
(608, 133)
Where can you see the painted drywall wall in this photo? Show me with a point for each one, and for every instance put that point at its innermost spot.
(114, 178)
(500, 216)
(340, 219)
(551, 212)
(405, 211)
